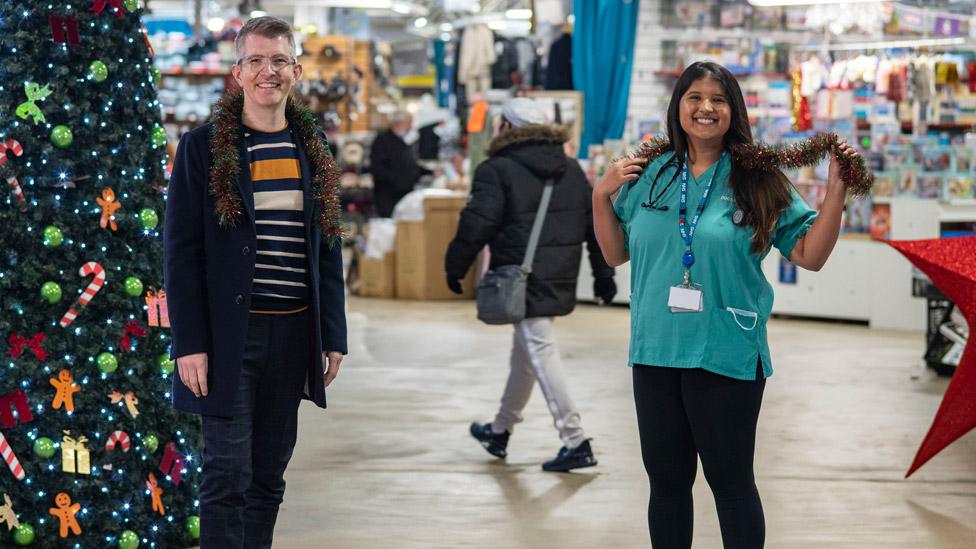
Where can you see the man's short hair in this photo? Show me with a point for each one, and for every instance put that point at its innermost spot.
(398, 117)
(266, 26)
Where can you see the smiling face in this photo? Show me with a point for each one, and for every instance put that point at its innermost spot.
(704, 112)
(65, 376)
(266, 70)
(62, 500)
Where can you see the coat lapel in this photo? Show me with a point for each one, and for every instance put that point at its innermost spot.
(307, 177)
(244, 181)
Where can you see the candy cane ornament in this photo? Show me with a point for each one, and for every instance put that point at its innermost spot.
(10, 145)
(8, 456)
(15, 147)
(96, 284)
(118, 437)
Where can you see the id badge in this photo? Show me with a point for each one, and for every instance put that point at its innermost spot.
(686, 298)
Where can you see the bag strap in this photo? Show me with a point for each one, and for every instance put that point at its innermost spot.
(540, 217)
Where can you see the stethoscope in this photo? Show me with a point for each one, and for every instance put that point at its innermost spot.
(654, 200)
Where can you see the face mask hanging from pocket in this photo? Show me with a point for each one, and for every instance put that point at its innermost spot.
(746, 315)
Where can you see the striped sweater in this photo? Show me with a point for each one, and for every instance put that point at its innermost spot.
(281, 266)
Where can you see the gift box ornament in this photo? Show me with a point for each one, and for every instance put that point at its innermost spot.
(75, 457)
(158, 311)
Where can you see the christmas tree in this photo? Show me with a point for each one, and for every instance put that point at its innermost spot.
(93, 455)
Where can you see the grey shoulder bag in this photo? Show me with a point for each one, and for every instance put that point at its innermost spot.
(501, 293)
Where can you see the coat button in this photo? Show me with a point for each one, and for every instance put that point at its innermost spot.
(245, 250)
(239, 299)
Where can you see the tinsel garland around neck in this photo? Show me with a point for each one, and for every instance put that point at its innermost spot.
(853, 171)
(226, 169)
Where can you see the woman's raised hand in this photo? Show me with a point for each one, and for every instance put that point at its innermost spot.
(620, 172)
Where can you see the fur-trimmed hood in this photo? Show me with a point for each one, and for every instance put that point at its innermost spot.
(541, 133)
(538, 147)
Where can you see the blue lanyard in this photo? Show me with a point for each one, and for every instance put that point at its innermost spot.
(688, 234)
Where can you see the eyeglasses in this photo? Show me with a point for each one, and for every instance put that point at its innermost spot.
(255, 63)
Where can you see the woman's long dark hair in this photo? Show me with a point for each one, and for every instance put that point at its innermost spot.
(761, 196)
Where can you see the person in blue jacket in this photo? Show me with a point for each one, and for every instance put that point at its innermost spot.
(695, 227)
(254, 281)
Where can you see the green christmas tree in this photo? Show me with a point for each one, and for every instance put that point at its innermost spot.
(84, 375)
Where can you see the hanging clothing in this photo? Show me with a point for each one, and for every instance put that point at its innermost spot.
(476, 57)
(559, 71)
(526, 62)
(429, 144)
(505, 69)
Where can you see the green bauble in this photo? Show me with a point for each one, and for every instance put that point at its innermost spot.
(193, 526)
(148, 217)
(131, 5)
(158, 136)
(151, 443)
(61, 136)
(24, 534)
(128, 540)
(107, 363)
(157, 76)
(51, 291)
(166, 364)
(52, 236)
(97, 71)
(44, 447)
(133, 286)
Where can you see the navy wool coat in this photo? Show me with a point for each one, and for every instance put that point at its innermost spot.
(209, 271)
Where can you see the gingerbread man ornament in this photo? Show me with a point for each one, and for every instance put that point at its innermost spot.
(157, 494)
(66, 388)
(109, 207)
(65, 512)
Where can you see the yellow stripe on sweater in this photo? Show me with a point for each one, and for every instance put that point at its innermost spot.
(281, 168)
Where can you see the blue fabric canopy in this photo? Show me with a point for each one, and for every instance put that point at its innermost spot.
(603, 53)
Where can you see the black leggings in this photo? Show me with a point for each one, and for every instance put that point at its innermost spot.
(683, 414)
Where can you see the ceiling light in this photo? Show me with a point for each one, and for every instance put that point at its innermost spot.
(497, 25)
(258, 12)
(518, 14)
(215, 24)
(401, 8)
(420, 22)
(771, 3)
(446, 27)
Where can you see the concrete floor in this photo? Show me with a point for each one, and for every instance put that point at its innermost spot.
(391, 465)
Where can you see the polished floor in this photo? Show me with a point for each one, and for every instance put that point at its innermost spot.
(391, 465)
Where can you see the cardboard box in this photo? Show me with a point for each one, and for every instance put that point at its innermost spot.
(377, 277)
(420, 250)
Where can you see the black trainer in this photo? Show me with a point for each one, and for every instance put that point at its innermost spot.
(566, 459)
(494, 443)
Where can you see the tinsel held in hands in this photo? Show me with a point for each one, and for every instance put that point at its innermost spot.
(853, 171)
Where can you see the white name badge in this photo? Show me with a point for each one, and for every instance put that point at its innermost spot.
(685, 299)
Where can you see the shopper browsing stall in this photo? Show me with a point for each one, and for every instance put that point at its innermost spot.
(525, 156)
(393, 165)
(255, 284)
(695, 225)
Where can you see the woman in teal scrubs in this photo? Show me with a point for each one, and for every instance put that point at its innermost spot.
(695, 227)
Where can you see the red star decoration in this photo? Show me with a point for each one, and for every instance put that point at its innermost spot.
(951, 264)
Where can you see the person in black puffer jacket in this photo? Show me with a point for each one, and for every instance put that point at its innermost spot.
(504, 198)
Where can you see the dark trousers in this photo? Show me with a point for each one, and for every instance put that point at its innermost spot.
(684, 414)
(245, 455)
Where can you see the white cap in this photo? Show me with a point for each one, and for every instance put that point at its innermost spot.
(523, 111)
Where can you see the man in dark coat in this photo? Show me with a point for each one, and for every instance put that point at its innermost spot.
(504, 199)
(254, 281)
(393, 165)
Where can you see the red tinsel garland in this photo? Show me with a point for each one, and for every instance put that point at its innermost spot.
(853, 172)
(225, 170)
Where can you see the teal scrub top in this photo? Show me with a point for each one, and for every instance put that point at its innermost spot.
(728, 337)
